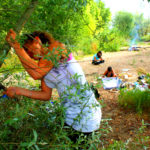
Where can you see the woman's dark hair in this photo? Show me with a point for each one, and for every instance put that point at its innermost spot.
(44, 37)
(99, 52)
(109, 68)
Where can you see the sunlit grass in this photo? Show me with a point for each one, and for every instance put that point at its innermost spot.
(135, 99)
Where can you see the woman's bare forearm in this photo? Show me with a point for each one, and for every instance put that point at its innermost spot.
(31, 66)
(23, 56)
(35, 73)
(39, 95)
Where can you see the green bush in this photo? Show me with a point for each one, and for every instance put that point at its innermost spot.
(112, 46)
(27, 124)
(11, 63)
(111, 41)
(146, 38)
(87, 45)
(136, 99)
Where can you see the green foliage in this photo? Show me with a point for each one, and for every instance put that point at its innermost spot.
(71, 22)
(78, 24)
(117, 145)
(131, 27)
(139, 21)
(36, 125)
(135, 99)
(60, 18)
(28, 124)
(9, 11)
(96, 17)
(124, 22)
(147, 78)
(111, 40)
(146, 38)
(143, 27)
(87, 45)
(112, 45)
(11, 64)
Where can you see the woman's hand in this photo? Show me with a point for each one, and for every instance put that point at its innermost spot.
(12, 92)
(11, 37)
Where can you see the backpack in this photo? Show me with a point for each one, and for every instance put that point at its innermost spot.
(97, 95)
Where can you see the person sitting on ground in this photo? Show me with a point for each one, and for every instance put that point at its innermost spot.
(67, 77)
(97, 58)
(109, 72)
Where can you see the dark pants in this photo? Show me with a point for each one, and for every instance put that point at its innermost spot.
(74, 135)
(97, 62)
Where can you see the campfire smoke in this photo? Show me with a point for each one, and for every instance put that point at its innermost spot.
(134, 38)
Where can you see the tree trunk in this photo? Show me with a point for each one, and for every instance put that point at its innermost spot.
(19, 25)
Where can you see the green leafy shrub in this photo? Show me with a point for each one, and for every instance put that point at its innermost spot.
(11, 63)
(27, 124)
(87, 45)
(112, 46)
(124, 22)
(111, 41)
(146, 38)
(136, 99)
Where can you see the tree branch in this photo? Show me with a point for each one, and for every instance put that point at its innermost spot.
(19, 25)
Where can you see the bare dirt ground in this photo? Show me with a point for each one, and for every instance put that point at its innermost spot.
(124, 123)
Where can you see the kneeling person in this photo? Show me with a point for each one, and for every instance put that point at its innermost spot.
(82, 110)
(109, 72)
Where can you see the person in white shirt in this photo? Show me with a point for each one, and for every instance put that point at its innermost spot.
(82, 110)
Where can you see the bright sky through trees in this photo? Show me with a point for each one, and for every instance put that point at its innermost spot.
(133, 6)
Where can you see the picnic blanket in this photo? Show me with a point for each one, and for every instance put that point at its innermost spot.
(111, 82)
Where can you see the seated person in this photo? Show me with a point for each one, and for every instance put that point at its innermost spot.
(109, 72)
(97, 58)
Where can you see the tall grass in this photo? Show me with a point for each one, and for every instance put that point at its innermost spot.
(136, 99)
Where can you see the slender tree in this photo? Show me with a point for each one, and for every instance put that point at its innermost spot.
(19, 25)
